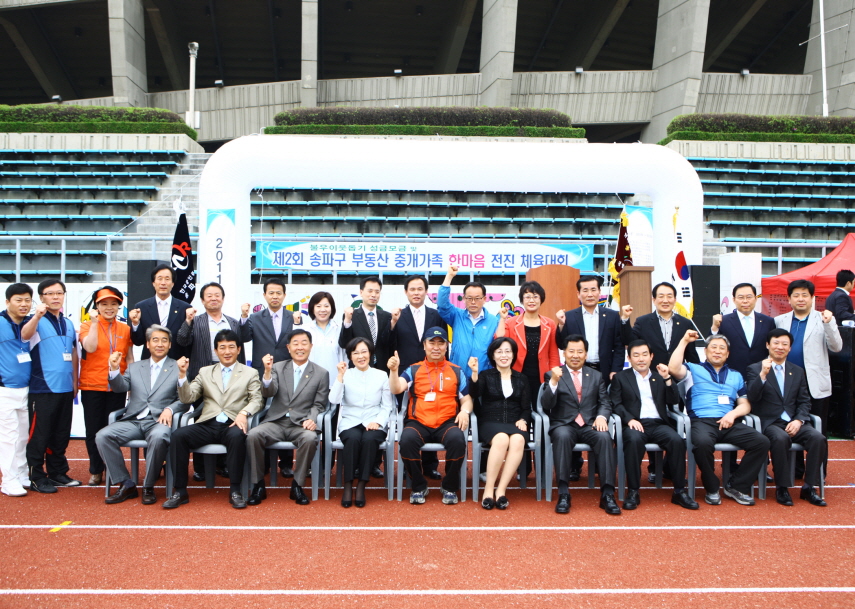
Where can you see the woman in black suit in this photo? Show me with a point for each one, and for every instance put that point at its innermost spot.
(504, 416)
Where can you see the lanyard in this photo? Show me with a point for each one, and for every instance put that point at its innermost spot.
(433, 382)
(111, 339)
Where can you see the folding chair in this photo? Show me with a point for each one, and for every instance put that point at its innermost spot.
(817, 423)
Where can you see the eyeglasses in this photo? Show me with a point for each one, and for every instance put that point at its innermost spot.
(473, 298)
(531, 297)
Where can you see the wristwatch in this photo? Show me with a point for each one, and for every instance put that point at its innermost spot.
(244, 413)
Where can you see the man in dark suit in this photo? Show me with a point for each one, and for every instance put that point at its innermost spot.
(641, 401)
(579, 410)
(663, 329)
(300, 390)
(367, 321)
(839, 302)
(162, 309)
(745, 328)
(782, 402)
(413, 320)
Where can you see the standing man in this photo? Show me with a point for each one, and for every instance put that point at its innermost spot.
(664, 329)
(641, 400)
(814, 335)
(367, 321)
(409, 330)
(745, 328)
(715, 399)
(153, 384)
(300, 390)
(53, 385)
(472, 328)
(161, 309)
(268, 331)
(231, 393)
(782, 402)
(839, 302)
(15, 367)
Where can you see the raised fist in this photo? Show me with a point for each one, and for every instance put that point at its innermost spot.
(41, 309)
(190, 314)
(115, 360)
(342, 368)
(298, 318)
(394, 362)
(473, 363)
(503, 312)
(183, 364)
(93, 316)
(556, 375)
(453, 270)
(244, 309)
(766, 366)
(396, 314)
(134, 317)
(716, 322)
(827, 316)
(625, 311)
(561, 316)
(662, 369)
(267, 360)
(348, 314)
(690, 336)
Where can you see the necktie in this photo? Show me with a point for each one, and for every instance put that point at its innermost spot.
(779, 374)
(155, 370)
(163, 311)
(297, 374)
(577, 382)
(277, 325)
(227, 373)
(372, 325)
(420, 324)
(748, 328)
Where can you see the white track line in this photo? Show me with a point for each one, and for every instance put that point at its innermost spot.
(345, 593)
(199, 527)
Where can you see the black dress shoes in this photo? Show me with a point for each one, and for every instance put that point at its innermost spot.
(782, 496)
(176, 500)
(223, 472)
(287, 472)
(258, 494)
(563, 505)
(298, 495)
(197, 477)
(127, 490)
(608, 503)
(148, 496)
(237, 500)
(809, 495)
(434, 475)
(632, 500)
(681, 497)
(376, 472)
(574, 476)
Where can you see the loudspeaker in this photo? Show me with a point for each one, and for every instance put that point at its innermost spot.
(139, 280)
(705, 287)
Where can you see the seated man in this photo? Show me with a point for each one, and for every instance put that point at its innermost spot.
(231, 393)
(782, 401)
(300, 390)
(579, 409)
(437, 411)
(641, 401)
(148, 416)
(715, 399)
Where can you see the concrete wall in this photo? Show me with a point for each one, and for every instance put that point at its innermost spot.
(755, 93)
(96, 141)
(840, 65)
(590, 97)
(766, 150)
(439, 90)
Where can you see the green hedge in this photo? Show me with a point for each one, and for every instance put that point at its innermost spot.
(808, 138)
(21, 127)
(757, 123)
(562, 132)
(453, 116)
(58, 113)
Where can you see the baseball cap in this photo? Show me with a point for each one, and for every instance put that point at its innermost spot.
(435, 332)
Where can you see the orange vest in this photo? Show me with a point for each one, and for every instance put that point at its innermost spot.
(443, 380)
(94, 367)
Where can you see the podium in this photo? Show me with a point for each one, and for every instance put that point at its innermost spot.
(559, 282)
(635, 286)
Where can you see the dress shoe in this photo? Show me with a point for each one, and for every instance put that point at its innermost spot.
(360, 503)
(488, 503)
(434, 475)
(574, 476)
(608, 503)
(502, 503)
(42, 485)
(563, 505)
(148, 496)
(237, 500)
(223, 472)
(376, 472)
(258, 494)
(809, 495)
(63, 480)
(632, 500)
(769, 479)
(176, 500)
(738, 496)
(95, 479)
(346, 503)
(681, 497)
(298, 495)
(126, 490)
(782, 496)
(287, 472)
(197, 477)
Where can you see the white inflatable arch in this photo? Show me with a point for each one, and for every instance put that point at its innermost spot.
(346, 163)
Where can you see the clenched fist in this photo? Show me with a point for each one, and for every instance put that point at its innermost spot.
(561, 316)
(342, 368)
(189, 315)
(298, 318)
(765, 367)
(267, 360)
(182, 364)
(690, 336)
(556, 376)
(453, 270)
(625, 312)
(716, 323)
(244, 310)
(473, 364)
(662, 369)
(134, 317)
(115, 360)
(827, 316)
(348, 314)
(41, 309)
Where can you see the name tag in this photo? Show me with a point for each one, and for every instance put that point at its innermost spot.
(23, 358)
(723, 399)
(66, 357)
(430, 397)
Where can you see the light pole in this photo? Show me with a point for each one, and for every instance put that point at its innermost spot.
(191, 101)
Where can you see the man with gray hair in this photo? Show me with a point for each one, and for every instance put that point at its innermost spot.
(153, 384)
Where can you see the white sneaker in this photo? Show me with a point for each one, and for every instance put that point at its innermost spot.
(13, 488)
(25, 482)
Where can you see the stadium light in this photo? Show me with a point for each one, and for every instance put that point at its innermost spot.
(219, 84)
(745, 72)
(193, 47)
(398, 72)
(56, 98)
(579, 69)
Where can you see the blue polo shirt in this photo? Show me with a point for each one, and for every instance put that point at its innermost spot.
(52, 372)
(704, 386)
(13, 373)
(797, 352)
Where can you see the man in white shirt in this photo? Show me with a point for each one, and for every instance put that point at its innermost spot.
(161, 309)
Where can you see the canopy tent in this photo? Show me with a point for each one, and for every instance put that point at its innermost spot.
(822, 273)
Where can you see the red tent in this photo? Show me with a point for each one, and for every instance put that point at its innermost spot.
(822, 273)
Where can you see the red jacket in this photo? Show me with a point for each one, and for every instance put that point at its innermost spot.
(547, 353)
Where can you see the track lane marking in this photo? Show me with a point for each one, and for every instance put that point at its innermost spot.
(58, 528)
(192, 527)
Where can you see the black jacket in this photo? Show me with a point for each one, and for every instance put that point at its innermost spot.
(626, 397)
(493, 405)
(647, 328)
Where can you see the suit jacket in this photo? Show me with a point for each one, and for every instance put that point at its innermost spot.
(243, 392)
(409, 344)
(308, 402)
(741, 353)
(263, 337)
(385, 347)
(137, 380)
(149, 316)
(820, 338)
(563, 405)
(612, 336)
(766, 399)
(197, 339)
(547, 354)
(647, 328)
(626, 396)
(840, 304)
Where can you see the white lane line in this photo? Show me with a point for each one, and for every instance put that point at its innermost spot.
(199, 527)
(524, 592)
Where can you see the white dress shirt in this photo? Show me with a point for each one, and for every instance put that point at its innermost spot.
(213, 328)
(163, 307)
(592, 333)
(648, 406)
(326, 351)
(364, 397)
